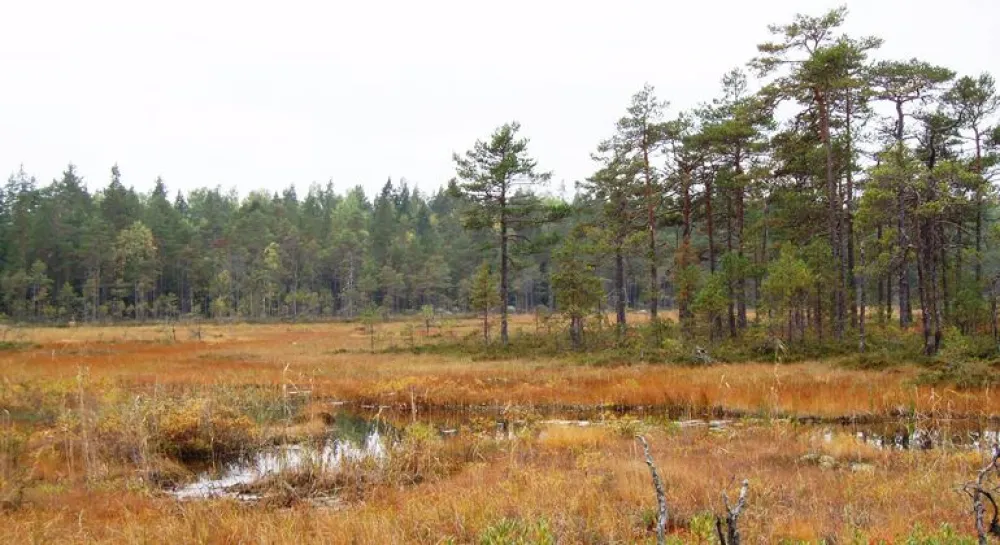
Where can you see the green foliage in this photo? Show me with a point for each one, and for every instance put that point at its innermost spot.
(577, 288)
(763, 217)
(968, 306)
(497, 176)
(483, 295)
(946, 535)
(962, 374)
(370, 316)
(517, 532)
(428, 317)
(713, 298)
(702, 527)
(786, 285)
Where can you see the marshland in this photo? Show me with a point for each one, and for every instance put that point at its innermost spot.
(290, 433)
(765, 313)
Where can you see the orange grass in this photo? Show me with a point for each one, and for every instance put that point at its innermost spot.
(582, 485)
(331, 360)
(587, 485)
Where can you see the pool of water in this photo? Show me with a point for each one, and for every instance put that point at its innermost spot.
(354, 438)
(368, 435)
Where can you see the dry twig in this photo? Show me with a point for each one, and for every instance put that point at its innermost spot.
(661, 497)
(732, 534)
(978, 490)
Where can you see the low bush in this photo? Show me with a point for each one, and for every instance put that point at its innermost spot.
(963, 375)
(517, 532)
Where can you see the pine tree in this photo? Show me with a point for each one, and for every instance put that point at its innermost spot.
(577, 287)
(483, 296)
(639, 138)
(900, 84)
(822, 67)
(613, 188)
(973, 101)
(135, 259)
(733, 129)
(492, 174)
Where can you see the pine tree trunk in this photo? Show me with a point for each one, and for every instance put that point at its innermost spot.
(959, 262)
(730, 291)
(905, 311)
(833, 213)
(741, 281)
(849, 213)
(486, 324)
(654, 292)
(503, 274)
(979, 211)
(859, 295)
(762, 261)
(936, 298)
(923, 289)
(943, 272)
(710, 225)
(819, 313)
(620, 295)
(97, 293)
(888, 298)
(802, 325)
(879, 287)
(979, 236)
(684, 295)
(576, 331)
(684, 300)
(350, 287)
(994, 329)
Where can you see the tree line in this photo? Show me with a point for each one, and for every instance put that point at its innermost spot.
(844, 187)
(823, 188)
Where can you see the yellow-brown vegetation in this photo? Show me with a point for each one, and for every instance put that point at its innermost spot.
(99, 420)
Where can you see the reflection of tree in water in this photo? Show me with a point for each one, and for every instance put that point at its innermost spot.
(948, 434)
(356, 429)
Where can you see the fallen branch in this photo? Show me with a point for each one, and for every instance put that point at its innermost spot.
(661, 497)
(978, 490)
(732, 534)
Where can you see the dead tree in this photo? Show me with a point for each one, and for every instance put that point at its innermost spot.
(661, 497)
(703, 356)
(732, 534)
(979, 491)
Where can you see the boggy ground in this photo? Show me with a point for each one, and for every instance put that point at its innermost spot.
(98, 422)
(333, 360)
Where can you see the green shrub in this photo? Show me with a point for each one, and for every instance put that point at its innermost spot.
(517, 532)
(945, 535)
(964, 375)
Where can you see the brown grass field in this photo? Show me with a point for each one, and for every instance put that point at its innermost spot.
(93, 417)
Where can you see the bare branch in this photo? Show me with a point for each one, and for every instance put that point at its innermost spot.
(661, 497)
(977, 490)
(732, 535)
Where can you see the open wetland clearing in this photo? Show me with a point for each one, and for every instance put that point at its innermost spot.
(300, 433)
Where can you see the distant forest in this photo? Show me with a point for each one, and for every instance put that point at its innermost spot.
(842, 188)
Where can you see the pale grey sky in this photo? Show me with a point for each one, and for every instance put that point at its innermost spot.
(258, 95)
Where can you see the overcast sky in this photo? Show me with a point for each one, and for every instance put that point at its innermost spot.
(261, 95)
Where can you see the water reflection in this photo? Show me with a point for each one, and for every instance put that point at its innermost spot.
(356, 437)
(352, 439)
(960, 435)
